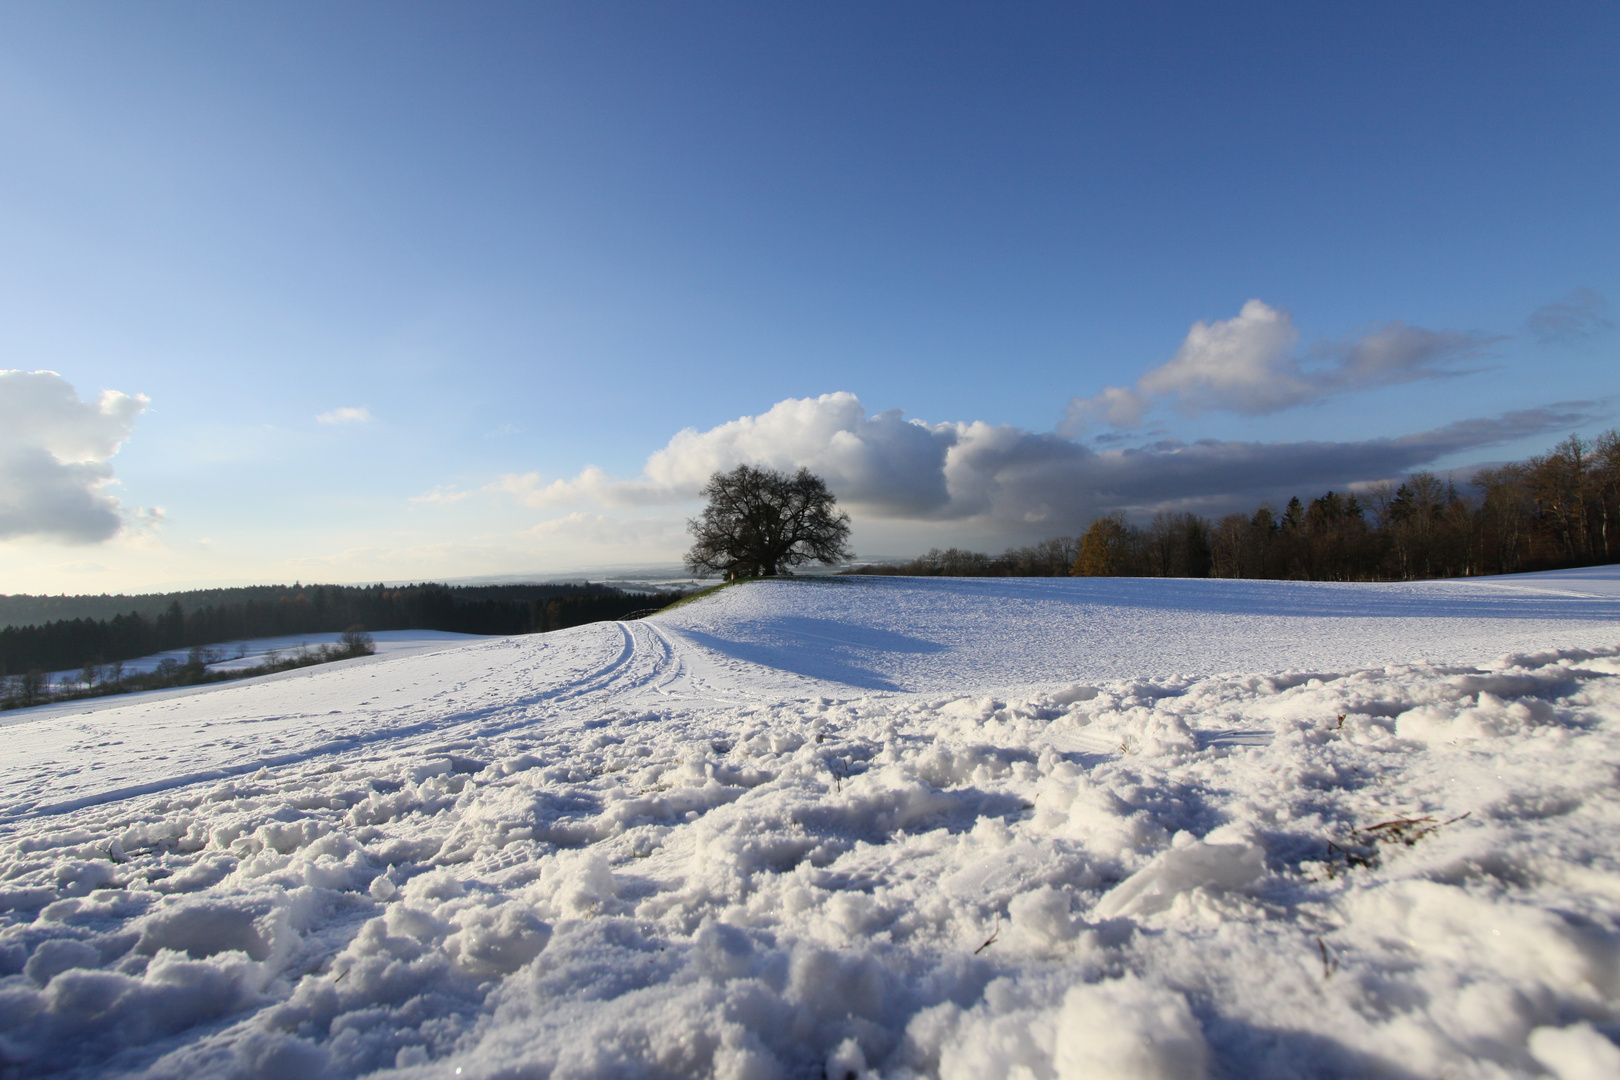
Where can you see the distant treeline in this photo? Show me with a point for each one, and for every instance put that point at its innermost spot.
(1049, 558)
(1554, 510)
(26, 610)
(280, 611)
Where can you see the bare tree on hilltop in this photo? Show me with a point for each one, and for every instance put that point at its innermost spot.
(761, 523)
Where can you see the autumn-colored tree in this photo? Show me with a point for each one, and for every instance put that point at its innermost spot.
(1104, 549)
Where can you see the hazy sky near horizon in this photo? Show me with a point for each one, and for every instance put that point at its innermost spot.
(380, 291)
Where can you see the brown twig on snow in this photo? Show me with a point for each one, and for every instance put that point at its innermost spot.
(1329, 965)
(991, 940)
(1351, 858)
(1406, 831)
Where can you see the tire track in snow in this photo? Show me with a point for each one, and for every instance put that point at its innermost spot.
(605, 680)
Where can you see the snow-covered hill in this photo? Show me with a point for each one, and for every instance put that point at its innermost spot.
(856, 827)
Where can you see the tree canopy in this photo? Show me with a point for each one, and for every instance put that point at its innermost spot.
(761, 523)
(1104, 549)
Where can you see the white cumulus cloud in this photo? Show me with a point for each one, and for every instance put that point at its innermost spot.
(54, 452)
(443, 496)
(882, 460)
(1251, 365)
(599, 533)
(348, 414)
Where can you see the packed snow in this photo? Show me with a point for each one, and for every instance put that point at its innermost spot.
(852, 828)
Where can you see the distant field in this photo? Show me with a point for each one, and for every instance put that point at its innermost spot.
(235, 655)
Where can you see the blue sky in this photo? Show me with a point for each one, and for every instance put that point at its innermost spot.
(496, 245)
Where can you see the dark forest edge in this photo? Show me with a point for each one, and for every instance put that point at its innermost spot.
(207, 618)
(1550, 512)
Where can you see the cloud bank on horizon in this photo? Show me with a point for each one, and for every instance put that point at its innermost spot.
(54, 457)
(885, 466)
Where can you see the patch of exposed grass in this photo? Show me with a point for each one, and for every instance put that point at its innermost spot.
(1361, 847)
(700, 594)
(712, 589)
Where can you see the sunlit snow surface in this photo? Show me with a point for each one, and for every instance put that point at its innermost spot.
(856, 827)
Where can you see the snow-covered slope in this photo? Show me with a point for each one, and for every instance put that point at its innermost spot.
(954, 634)
(871, 827)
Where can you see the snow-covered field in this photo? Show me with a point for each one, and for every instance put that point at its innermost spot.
(852, 828)
(235, 655)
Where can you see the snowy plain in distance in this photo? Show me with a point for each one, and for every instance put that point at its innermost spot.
(235, 655)
(852, 827)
